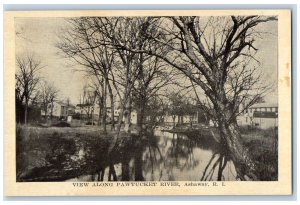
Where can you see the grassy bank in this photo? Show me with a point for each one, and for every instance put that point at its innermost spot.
(56, 154)
(263, 147)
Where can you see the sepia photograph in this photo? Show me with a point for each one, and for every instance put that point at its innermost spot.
(146, 99)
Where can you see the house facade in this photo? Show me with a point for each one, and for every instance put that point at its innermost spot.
(261, 115)
(91, 112)
(87, 111)
(58, 110)
(185, 119)
(133, 115)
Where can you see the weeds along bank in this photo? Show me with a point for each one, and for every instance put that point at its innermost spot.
(43, 152)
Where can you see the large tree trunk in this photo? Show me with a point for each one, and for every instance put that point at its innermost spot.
(121, 113)
(112, 112)
(104, 106)
(26, 112)
(101, 103)
(174, 124)
(138, 165)
(92, 114)
(125, 169)
(127, 113)
(100, 114)
(140, 113)
(141, 95)
(231, 138)
(111, 106)
(51, 113)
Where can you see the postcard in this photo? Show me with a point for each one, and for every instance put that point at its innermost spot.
(147, 102)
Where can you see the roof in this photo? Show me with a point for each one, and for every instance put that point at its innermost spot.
(60, 103)
(265, 114)
(260, 105)
(84, 105)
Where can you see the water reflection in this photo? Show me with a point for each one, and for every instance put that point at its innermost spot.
(166, 157)
(161, 156)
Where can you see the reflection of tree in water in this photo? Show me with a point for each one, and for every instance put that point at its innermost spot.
(153, 157)
(150, 157)
(129, 150)
(218, 160)
(181, 153)
(210, 168)
(141, 157)
(164, 154)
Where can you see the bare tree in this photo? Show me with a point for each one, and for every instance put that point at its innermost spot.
(48, 94)
(79, 42)
(141, 75)
(153, 75)
(87, 102)
(218, 55)
(27, 79)
(126, 70)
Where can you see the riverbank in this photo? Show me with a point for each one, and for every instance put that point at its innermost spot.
(263, 147)
(56, 154)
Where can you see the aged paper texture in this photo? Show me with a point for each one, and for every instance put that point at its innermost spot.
(153, 102)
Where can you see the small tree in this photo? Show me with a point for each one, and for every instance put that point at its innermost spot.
(48, 94)
(27, 79)
(176, 107)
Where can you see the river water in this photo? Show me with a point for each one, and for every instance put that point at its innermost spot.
(163, 157)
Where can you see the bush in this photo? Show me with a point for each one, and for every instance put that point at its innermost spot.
(62, 124)
(90, 123)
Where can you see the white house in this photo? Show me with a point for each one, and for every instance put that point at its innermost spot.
(58, 109)
(87, 111)
(262, 115)
(194, 118)
(133, 115)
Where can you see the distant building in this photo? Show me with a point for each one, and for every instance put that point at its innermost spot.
(87, 111)
(71, 110)
(133, 115)
(58, 110)
(194, 118)
(262, 115)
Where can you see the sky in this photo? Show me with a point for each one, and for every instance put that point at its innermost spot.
(39, 35)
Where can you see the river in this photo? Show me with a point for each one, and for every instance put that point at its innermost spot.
(163, 157)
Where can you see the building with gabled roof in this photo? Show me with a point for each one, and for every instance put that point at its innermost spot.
(261, 115)
(58, 109)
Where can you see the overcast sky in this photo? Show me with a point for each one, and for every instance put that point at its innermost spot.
(40, 36)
